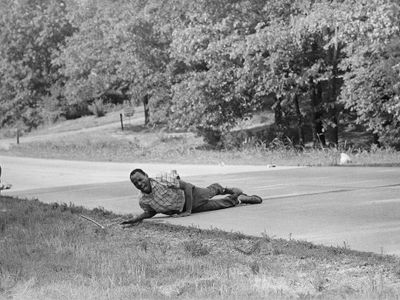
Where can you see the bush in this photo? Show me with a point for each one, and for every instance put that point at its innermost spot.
(98, 108)
(252, 137)
(234, 140)
(210, 137)
(77, 110)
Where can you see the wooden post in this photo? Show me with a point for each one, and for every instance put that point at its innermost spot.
(17, 136)
(122, 122)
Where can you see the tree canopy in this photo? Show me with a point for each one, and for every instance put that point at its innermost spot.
(320, 66)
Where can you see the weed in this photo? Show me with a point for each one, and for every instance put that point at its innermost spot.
(143, 245)
(319, 280)
(195, 248)
(255, 267)
(102, 211)
(397, 270)
(98, 108)
(163, 247)
(168, 138)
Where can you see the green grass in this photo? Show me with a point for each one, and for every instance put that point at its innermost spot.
(49, 252)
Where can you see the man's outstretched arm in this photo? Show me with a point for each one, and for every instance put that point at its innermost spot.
(137, 219)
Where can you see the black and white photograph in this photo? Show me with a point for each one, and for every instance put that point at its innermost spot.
(208, 149)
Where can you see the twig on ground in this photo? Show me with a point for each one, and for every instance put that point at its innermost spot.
(93, 221)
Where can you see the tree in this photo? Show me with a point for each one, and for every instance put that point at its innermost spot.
(31, 32)
(117, 52)
(296, 58)
(206, 66)
(371, 83)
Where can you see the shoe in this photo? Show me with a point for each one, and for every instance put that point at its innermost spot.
(254, 199)
(233, 191)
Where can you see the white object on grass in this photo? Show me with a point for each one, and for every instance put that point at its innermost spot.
(344, 159)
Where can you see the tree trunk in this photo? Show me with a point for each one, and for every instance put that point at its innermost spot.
(334, 91)
(317, 126)
(335, 130)
(278, 112)
(299, 120)
(376, 141)
(146, 110)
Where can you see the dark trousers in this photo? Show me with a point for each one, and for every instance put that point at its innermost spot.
(202, 198)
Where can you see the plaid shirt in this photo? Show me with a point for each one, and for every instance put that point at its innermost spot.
(165, 197)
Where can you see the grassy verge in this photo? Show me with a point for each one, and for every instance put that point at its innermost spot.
(153, 145)
(85, 122)
(47, 251)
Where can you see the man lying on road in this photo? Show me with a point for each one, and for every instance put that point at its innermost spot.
(172, 196)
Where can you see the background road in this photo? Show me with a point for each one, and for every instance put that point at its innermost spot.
(356, 207)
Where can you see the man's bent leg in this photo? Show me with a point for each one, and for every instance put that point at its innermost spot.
(217, 189)
(202, 198)
(214, 204)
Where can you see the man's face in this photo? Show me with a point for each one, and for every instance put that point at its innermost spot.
(141, 182)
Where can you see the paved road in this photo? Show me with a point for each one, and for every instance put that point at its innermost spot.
(356, 207)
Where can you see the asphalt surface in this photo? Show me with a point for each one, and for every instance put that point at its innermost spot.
(353, 207)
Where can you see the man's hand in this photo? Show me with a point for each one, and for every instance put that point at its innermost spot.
(130, 223)
(137, 219)
(182, 214)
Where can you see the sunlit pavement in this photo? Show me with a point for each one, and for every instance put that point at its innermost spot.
(352, 207)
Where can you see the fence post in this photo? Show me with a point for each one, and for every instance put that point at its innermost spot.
(17, 136)
(122, 122)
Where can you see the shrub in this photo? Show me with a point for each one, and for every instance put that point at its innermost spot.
(98, 108)
(210, 137)
(77, 110)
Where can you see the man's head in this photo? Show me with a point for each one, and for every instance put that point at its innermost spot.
(140, 180)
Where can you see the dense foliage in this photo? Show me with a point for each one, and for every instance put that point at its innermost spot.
(320, 66)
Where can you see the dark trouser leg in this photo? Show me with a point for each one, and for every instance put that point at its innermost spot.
(202, 198)
(215, 204)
